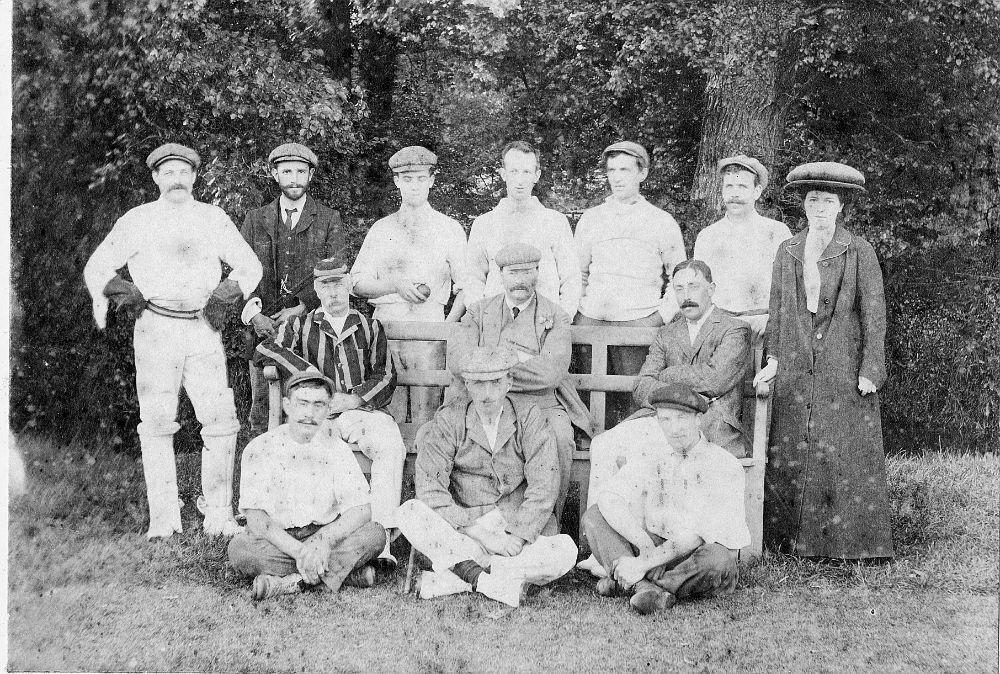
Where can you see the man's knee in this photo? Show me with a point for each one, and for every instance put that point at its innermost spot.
(412, 513)
(242, 557)
(219, 416)
(715, 556)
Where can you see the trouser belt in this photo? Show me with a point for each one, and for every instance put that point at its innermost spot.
(750, 312)
(188, 314)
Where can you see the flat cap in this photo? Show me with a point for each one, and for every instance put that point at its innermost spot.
(518, 254)
(629, 148)
(170, 151)
(483, 363)
(309, 375)
(750, 164)
(293, 152)
(678, 396)
(332, 268)
(412, 158)
(819, 174)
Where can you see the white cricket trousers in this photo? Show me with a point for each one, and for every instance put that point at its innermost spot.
(541, 562)
(171, 353)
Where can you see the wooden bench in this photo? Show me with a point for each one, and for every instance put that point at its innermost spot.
(756, 408)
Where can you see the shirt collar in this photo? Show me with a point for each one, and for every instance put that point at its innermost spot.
(284, 203)
(704, 317)
(520, 307)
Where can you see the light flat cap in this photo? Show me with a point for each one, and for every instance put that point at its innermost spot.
(170, 151)
(678, 396)
(750, 164)
(484, 363)
(412, 158)
(629, 148)
(293, 152)
(518, 255)
(819, 174)
(330, 269)
(309, 375)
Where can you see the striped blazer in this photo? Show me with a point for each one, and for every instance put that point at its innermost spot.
(357, 360)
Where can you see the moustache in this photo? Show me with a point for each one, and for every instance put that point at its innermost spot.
(308, 422)
(526, 288)
(736, 201)
(179, 186)
(689, 304)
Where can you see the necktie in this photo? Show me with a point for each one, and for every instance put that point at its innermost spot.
(288, 216)
(515, 311)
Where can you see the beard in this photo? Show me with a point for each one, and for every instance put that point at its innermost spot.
(294, 193)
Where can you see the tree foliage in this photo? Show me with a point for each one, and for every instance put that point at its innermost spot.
(908, 91)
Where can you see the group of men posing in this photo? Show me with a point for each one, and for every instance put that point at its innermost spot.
(665, 518)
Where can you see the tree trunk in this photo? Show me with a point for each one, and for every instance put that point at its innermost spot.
(336, 40)
(747, 94)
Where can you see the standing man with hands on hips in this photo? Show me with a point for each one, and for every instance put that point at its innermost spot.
(289, 236)
(174, 248)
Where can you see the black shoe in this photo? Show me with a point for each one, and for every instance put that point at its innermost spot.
(609, 587)
(649, 599)
(361, 577)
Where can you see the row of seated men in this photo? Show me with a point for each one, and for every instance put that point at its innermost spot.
(491, 471)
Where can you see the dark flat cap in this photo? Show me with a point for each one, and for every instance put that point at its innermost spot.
(309, 375)
(518, 254)
(629, 148)
(293, 152)
(488, 362)
(750, 164)
(170, 151)
(412, 158)
(333, 267)
(819, 174)
(678, 396)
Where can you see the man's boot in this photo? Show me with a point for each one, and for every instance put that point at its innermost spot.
(217, 482)
(160, 473)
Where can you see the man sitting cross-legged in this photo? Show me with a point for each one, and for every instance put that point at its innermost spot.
(351, 350)
(306, 502)
(487, 477)
(668, 526)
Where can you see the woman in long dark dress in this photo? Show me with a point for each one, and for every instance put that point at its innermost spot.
(825, 484)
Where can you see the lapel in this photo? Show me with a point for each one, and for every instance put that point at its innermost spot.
(477, 434)
(679, 335)
(308, 217)
(838, 244)
(351, 325)
(506, 429)
(709, 326)
(495, 318)
(796, 246)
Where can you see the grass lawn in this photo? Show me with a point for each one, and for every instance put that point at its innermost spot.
(87, 592)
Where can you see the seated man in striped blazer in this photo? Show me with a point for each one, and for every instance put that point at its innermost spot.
(352, 351)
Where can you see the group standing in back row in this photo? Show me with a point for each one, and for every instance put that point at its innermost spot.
(515, 285)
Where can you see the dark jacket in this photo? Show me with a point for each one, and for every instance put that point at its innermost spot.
(317, 234)
(714, 366)
(825, 487)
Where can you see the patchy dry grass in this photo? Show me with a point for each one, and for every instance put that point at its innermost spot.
(87, 592)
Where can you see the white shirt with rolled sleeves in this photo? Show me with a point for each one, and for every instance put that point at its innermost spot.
(432, 252)
(701, 493)
(624, 250)
(298, 484)
(174, 255)
(545, 229)
(740, 256)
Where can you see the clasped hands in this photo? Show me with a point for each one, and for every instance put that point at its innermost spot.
(267, 327)
(490, 532)
(311, 559)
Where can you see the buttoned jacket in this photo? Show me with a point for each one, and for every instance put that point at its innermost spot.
(289, 256)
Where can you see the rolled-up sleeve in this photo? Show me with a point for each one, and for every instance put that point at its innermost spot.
(237, 253)
(111, 255)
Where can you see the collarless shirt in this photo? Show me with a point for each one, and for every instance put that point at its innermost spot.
(491, 428)
(430, 249)
(625, 252)
(174, 254)
(741, 255)
(701, 492)
(335, 322)
(298, 484)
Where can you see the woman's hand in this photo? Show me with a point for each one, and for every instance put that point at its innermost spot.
(865, 386)
(767, 372)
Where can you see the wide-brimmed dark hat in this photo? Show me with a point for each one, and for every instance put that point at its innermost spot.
(831, 175)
